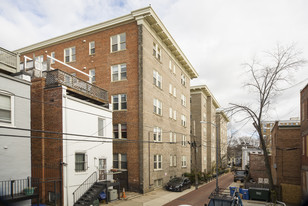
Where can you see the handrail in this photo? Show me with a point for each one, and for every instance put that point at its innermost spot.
(83, 188)
(11, 188)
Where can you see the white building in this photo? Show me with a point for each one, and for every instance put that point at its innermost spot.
(246, 150)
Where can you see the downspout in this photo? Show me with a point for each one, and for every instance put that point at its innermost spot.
(66, 146)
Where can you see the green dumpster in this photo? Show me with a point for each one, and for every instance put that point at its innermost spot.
(95, 202)
(259, 194)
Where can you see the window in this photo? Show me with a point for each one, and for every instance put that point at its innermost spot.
(204, 116)
(118, 72)
(6, 108)
(118, 42)
(174, 114)
(70, 54)
(119, 102)
(172, 160)
(183, 100)
(53, 55)
(170, 65)
(184, 161)
(173, 69)
(120, 161)
(157, 107)
(81, 162)
(157, 162)
(174, 91)
(92, 47)
(183, 140)
(158, 183)
(101, 127)
(183, 79)
(183, 120)
(120, 131)
(170, 88)
(170, 113)
(156, 51)
(157, 79)
(157, 134)
(92, 75)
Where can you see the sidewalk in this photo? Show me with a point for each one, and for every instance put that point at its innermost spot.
(153, 198)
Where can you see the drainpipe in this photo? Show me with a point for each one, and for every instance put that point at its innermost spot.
(64, 99)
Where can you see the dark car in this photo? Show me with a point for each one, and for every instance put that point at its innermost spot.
(240, 175)
(178, 184)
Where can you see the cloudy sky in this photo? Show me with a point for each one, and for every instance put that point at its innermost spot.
(217, 36)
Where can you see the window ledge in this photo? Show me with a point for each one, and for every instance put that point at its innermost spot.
(113, 52)
(156, 170)
(122, 80)
(158, 114)
(120, 110)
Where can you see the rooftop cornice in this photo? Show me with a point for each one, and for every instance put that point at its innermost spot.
(146, 13)
(205, 90)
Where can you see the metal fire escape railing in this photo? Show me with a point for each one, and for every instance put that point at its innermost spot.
(9, 59)
(84, 187)
(11, 189)
(57, 77)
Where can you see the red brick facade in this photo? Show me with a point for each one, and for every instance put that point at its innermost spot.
(304, 140)
(257, 166)
(286, 150)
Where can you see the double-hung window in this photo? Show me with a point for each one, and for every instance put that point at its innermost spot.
(118, 42)
(183, 120)
(92, 75)
(174, 91)
(6, 108)
(157, 134)
(170, 113)
(119, 102)
(118, 72)
(157, 106)
(101, 127)
(183, 140)
(120, 131)
(157, 79)
(174, 114)
(92, 47)
(170, 89)
(172, 160)
(184, 161)
(172, 137)
(53, 55)
(81, 163)
(183, 79)
(120, 161)
(156, 51)
(183, 100)
(70, 54)
(157, 162)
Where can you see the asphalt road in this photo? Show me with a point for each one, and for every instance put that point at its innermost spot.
(200, 197)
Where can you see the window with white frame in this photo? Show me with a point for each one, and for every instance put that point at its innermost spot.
(174, 69)
(120, 161)
(183, 100)
(157, 134)
(183, 79)
(119, 102)
(183, 140)
(170, 89)
(157, 79)
(53, 55)
(172, 160)
(172, 137)
(170, 113)
(70, 54)
(92, 75)
(157, 105)
(81, 162)
(156, 51)
(174, 114)
(92, 47)
(183, 120)
(118, 72)
(120, 131)
(101, 127)
(170, 65)
(6, 108)
(174, 91)
(157, 162)
(184, 161)
(204, 116)
(118, 42)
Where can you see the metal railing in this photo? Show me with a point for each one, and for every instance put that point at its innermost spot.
(57, 77)
(84, 187)
(9, 58)
(11, 189)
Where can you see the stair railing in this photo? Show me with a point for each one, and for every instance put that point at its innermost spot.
(83, 188)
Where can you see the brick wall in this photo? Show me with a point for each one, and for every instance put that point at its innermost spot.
(257, 166)
(304, 140)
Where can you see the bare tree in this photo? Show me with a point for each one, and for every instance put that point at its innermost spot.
(267, 80)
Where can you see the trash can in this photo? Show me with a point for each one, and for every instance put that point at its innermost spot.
(259, 194)
(232, 190)
(245, 193)
(95, 202)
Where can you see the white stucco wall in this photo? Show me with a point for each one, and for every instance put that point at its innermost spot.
(83, 119)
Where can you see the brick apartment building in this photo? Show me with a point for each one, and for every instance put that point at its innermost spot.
(147, 77)
(286, 150)
(203, 113)
(304, 140)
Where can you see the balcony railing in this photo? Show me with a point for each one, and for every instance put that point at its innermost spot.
(57, 77)
(19, 189)
(9, 60)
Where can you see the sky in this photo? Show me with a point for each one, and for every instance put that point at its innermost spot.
(217, 37)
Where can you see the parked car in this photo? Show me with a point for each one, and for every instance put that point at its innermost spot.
(240, 175)
(178, 184)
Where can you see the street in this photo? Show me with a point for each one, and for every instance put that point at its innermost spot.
(200, 197)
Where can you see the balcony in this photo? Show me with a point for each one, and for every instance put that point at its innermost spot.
(19, 190)
(77, 86)
(9, 61)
